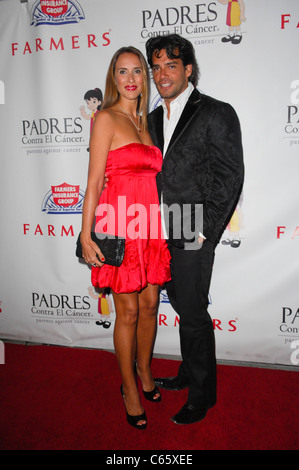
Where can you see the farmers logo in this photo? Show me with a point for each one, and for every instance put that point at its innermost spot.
(56, 12)
(62, 199)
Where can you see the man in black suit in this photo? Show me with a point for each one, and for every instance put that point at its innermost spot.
(202, 170)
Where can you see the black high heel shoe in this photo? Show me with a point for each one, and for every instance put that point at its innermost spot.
(150, 396)
(134, 420)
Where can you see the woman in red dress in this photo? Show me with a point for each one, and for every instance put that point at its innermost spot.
(121, 148)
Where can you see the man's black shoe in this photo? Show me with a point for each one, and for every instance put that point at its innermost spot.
(170, 383)
(189, 414)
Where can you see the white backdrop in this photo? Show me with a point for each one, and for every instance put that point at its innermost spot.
(51, 53)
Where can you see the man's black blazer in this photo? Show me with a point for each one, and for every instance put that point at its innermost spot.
(203, 163)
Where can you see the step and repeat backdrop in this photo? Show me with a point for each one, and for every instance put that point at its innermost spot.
(54, 54)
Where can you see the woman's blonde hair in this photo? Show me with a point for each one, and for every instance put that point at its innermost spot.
(111, 93)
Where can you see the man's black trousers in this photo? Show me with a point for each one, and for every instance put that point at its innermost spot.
(188, 293)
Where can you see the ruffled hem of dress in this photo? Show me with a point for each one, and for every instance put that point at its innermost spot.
(132, 276)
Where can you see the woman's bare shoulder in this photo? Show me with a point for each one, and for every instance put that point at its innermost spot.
(105, 116)
(104, 124)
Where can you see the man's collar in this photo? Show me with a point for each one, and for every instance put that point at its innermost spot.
(183, 97)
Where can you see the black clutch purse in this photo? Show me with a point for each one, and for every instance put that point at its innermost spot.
(112, 247)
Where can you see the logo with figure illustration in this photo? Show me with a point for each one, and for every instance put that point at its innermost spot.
(93, 99)
(105, 305)
(234, 18)
(232, 234)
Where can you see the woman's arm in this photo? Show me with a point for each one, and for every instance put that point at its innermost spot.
(100, 144)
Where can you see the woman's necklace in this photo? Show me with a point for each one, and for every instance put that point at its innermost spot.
(131, 119)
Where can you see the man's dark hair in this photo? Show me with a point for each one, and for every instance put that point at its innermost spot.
(176, 47)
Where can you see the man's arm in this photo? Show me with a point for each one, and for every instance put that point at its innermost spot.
(227, 171)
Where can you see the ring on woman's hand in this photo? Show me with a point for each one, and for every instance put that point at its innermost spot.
(94, 265)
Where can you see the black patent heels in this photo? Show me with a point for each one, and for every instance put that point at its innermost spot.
(134, 420)
(154, 395)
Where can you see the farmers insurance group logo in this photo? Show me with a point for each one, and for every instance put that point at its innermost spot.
(63, 198)
(56, 12)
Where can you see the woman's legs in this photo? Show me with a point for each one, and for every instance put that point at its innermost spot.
(146, 334)
(134, 336)
(125, 332)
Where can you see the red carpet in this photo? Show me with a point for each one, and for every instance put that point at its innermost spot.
(56, 398)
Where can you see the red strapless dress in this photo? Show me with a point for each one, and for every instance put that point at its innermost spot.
(129, 207)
